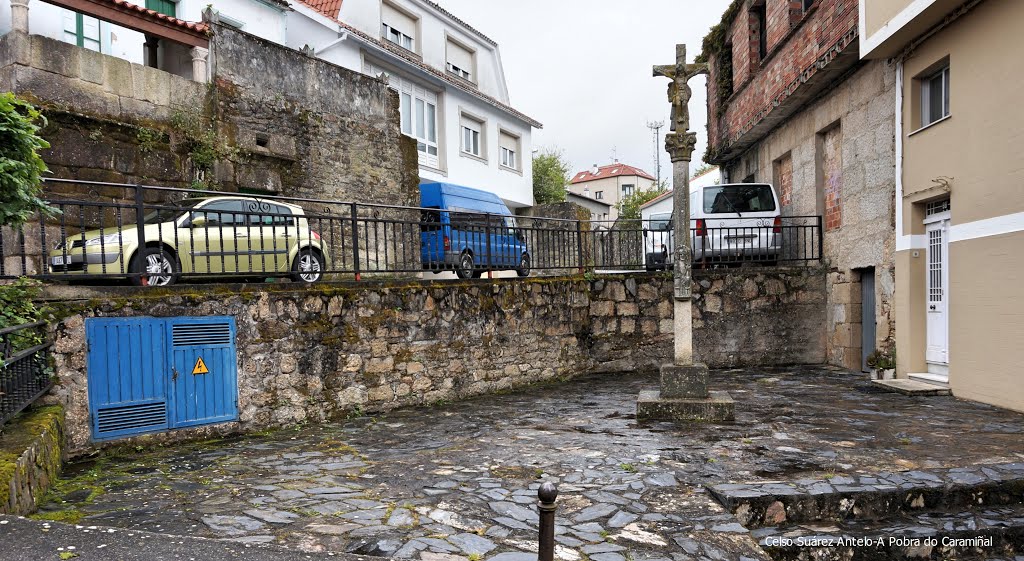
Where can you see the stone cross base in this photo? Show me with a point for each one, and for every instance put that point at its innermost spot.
(684, 396)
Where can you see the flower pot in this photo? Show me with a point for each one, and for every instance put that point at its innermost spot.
(888, 374)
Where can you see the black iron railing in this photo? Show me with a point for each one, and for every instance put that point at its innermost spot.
(157, 235)
(25, 372)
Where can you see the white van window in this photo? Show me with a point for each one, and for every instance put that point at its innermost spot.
(661, 222)
(730, 199)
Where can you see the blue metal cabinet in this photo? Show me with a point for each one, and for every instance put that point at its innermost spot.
(153, 374)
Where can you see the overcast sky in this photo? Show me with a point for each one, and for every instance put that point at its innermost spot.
(583, 68)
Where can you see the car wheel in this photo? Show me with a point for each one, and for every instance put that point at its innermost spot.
(523, 269)
(466, 267)
(154, 267)
(308, 266)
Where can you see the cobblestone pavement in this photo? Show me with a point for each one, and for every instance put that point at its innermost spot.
(458, 481)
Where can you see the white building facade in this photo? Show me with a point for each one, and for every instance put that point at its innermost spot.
(453, 97)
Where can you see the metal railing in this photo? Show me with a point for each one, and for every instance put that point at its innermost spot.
(25, 372)
(155, 235)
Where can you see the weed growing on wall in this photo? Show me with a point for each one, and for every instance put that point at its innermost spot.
(17, 307)
(203, 144)
(21, 167)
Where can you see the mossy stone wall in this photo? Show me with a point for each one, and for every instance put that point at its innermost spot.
(31, 454)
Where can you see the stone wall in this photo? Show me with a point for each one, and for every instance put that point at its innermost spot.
(267, 120)
(757, 318)
(31, 453)
(326, 351)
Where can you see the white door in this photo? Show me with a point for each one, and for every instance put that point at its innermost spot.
(937, 352)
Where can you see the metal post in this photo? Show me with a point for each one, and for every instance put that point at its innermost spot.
(821, 240)
(140, 227)
(547, 494)
(355, 242)
(579, 244)
(487, 240)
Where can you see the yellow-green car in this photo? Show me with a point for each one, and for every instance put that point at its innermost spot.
(222, 236)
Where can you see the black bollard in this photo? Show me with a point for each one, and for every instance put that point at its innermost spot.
(547, 494)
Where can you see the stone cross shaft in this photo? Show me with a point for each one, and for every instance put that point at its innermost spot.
(684, 394)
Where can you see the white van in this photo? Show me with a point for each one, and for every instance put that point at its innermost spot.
(738, 222)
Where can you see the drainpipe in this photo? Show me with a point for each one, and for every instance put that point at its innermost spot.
(902, 243)
(341, 38)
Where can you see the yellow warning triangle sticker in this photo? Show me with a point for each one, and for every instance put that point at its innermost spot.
(200, 367)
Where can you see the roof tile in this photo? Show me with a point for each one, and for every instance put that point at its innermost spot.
(611, 170)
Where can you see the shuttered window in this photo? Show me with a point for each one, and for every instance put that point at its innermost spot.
(460, 61)
(472, 136)
(165, 7)
(397, 26)
(418, 114)
(82, 30)
(509, 156)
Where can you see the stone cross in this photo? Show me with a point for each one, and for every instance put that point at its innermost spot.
(684, 394)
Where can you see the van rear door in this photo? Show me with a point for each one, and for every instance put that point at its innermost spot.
(740, 221)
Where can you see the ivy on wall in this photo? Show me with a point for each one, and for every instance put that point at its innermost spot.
(21, 167)
(716, 44)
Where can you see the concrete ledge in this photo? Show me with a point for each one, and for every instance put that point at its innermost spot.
(31, 454)
(912, 387)
(717, 407)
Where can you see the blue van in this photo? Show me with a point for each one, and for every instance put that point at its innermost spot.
(469, 231)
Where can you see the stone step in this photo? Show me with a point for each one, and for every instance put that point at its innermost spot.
(981, 534)
(874, 497)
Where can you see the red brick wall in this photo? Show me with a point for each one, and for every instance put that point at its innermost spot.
(756, 85)
(832, 177)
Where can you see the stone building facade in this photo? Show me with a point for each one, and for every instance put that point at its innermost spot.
(790, 103)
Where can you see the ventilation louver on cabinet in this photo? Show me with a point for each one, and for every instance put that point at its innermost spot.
(136, 417)
(201, 334)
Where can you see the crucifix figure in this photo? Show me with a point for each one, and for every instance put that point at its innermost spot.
(684, 394)
(679, 91)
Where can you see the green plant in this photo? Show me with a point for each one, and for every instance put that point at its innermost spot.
(147, 139)
(21, 166)
(550, 176)
(17, 307)
(204, 146)
(629, 207)
(882, 360)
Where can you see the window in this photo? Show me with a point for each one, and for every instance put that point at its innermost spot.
(165, 7)
(599, 195)
(731, 199)
(808, 4)
(222, 213)
(460, 60)
(760, 14)
(935, 96)
(82, 30)
(472, 136)
(418, 114)
(509, 150)
(398, 27)
(396, 36)
(628, 189)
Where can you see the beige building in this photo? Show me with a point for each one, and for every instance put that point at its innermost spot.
(610, 184)
(959, 190)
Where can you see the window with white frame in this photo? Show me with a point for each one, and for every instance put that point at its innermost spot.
(418, 114)
(397, 27)
(460, 60)
(472, 136)
(509, 153)
(935, 96)
(82, 30)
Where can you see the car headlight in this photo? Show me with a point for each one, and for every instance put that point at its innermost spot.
(109, 239)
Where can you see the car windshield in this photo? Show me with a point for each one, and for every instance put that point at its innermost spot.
(167, 214)
(660, 222)
(738, 198)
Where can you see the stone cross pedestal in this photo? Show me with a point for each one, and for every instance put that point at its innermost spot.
(684, 394)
